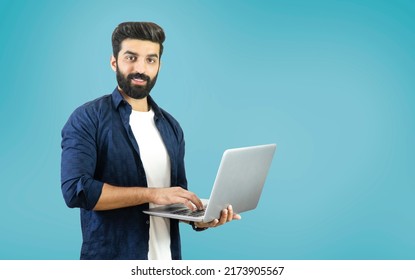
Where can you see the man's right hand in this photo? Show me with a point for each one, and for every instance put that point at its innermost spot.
(113, 197)
(164, 196)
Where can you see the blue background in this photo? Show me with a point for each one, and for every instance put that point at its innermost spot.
(331, 82)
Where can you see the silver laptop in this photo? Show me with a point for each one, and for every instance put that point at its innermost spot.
(239, 182)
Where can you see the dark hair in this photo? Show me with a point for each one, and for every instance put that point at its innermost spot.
(147, 31)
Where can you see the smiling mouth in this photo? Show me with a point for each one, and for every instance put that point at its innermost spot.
(138, 81)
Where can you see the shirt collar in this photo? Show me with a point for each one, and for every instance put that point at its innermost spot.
(118, 100)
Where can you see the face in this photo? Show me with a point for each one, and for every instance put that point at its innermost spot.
(137, 67)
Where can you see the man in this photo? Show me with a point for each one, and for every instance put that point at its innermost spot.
(122, 153)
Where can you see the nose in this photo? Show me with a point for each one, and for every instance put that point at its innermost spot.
(140, 66)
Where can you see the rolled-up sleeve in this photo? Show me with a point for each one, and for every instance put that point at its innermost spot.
(78, 160)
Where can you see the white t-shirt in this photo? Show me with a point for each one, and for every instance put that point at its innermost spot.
(156, 164)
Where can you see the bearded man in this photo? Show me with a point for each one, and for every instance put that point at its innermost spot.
(122, 153)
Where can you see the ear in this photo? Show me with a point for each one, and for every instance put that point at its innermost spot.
(113, 63)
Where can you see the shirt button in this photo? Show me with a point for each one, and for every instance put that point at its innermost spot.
(147, 222)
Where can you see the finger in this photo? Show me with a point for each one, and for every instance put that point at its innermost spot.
(237, 217)
(188, 198)
(193, 198)
(213, 223)
(230, 213)
(189, 204)
(223, 217)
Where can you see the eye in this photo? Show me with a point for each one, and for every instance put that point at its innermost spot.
(151, 60)
(131, 58)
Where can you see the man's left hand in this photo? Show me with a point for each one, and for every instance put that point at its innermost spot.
(226, 216)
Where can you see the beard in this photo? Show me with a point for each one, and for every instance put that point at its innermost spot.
(135, 91)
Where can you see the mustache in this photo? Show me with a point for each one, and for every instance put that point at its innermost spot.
(138, 76)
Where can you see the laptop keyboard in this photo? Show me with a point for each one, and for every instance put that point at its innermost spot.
(188, 212)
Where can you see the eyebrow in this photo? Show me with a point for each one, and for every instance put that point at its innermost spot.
(130, 52)
(136, 54)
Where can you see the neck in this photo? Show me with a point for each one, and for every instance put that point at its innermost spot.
(140, 105)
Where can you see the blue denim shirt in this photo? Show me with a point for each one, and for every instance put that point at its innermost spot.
(98, 146)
